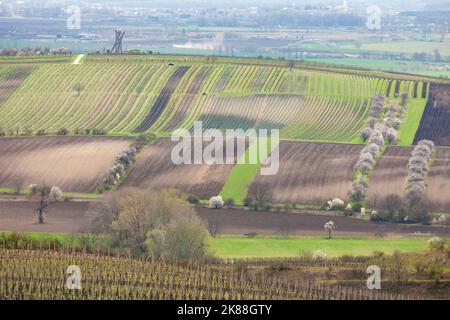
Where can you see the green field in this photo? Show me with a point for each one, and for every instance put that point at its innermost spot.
(433, 69)
(116, 95)
(265, 247)
(236, 186)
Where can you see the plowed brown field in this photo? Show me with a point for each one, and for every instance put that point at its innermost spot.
(389, 175)
(75, 164)
(154, 169)
(311, 173)
(439, 181)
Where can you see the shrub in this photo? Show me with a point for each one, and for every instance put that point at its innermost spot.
(229, 202)
(40, 132)
(193, 199)
(63, 132)
(319, 255)
(336, 204)
(436, 243)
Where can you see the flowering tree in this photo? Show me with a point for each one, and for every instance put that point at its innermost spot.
(330, 227)
(45, 196)
(216, 202)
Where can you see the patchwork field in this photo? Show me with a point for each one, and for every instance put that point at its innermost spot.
(158, 96)
(75, 164)
(311, 173)
(154, 169)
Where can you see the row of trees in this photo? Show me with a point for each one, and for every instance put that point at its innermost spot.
(415, 207)
(369, 153)
(34, 51)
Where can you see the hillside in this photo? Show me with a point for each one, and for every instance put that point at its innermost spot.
(158, 96)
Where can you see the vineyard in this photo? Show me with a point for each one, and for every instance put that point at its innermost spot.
(130, 98)
(76, 164)
(26, 274)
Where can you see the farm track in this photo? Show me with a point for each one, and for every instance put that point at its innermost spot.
(162, 100)
(311, 173)
(75, 164)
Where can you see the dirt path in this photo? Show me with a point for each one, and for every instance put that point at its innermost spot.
(78, 59)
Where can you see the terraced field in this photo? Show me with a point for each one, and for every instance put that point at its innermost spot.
(75, 164)
(128, 98)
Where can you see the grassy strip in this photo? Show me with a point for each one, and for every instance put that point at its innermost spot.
(262, 247)
(265, 247)
(236, 186)
(411, 123)
(26, 191)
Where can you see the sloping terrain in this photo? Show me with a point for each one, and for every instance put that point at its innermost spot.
(435, 123)
(129, 98)
(311, 173)
(75, 164)
(389, 175)
(155, 169)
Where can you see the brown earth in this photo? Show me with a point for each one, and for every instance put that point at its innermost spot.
(389, 175)
(75, 164)
(391, 171)
(434, 124)
(311, 173)
(63, 217)
(439, 180)
(67, 217)
(154, 169)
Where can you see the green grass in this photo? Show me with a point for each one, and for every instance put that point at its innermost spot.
(71, 240)
(412, 67)
(411, 122)
(265, 247)
(26, 191)
(237, 183)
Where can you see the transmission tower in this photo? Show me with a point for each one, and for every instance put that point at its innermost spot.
(117, 47)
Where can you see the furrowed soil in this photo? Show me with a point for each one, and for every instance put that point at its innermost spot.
(435, 123)
(154, 169)
(389, 175)
(311, 173)
(67, 217)
(75, 164)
